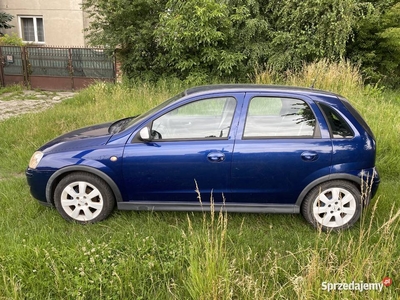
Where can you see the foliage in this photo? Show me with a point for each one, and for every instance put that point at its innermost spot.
(305, 31)
(14, 89)
(376, 44)
(196, 36)
(5, 19)
(129, 27)
(11, 40)
(227, 38)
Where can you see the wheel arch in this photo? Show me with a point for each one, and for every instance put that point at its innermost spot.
(341, 176)
(61, 173)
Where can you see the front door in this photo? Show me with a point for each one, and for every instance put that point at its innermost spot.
(190, 153)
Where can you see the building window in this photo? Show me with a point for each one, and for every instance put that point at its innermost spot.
(31, 29)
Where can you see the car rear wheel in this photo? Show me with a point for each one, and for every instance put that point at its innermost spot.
(333, 205)
(84, 198)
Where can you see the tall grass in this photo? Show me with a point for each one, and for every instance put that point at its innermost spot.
(15, 89)
(221, 269)
(339, 77)
(175, 255)
(209, 273)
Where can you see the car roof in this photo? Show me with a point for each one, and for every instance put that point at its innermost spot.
(256, 88)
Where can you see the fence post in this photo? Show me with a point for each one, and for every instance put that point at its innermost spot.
(117, 67)
(25, 66)
(2, 68)
(71, 69)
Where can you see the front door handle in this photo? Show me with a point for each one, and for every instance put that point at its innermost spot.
(309, 155)
(216, 156)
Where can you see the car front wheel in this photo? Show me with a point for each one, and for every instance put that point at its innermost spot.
(333, 205)
(84, 198)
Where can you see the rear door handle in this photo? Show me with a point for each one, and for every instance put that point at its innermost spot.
(309, 155)
(216, 157)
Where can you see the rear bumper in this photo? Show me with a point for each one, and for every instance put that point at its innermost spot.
(370, 183)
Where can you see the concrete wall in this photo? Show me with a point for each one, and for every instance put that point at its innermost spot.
(63, 20)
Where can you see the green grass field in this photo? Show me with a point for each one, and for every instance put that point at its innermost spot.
(171, 255)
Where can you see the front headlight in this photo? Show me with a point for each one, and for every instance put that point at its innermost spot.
(35, 159)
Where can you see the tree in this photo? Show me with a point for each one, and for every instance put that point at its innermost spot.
(376, 43)
(128, 26)
(229, 39)
(197, 38)
(11, 40)
(5, 19)
(304, 31)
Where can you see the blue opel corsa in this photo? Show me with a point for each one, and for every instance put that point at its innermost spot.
(243, 148)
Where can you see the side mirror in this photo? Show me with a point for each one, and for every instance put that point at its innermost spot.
(145, 134)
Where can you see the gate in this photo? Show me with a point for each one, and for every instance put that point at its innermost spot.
(52, 68)
(12, 69)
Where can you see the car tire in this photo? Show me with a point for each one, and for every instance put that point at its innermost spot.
(333, 205)
(83, 198)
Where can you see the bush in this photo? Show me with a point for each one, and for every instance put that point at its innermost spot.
(11, 40)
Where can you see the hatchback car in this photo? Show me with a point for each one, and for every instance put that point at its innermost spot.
(242, 148)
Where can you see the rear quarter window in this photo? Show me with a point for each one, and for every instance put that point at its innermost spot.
(338, 127)
(357, 116)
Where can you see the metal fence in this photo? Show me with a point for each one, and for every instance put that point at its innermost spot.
(54, 68)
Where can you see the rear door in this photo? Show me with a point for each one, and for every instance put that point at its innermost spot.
(279, 149)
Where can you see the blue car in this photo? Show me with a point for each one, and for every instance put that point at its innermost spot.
(240, 148)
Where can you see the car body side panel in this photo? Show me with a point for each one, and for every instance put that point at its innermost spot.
(351, 155)
(274, 171)
(95, 160)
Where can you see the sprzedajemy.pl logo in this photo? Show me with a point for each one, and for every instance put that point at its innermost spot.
(356, 286)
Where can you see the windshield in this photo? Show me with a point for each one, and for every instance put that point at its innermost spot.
(125, 123)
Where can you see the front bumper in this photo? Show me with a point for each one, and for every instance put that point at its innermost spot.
(37, 181)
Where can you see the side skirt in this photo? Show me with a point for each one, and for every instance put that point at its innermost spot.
(206, 206)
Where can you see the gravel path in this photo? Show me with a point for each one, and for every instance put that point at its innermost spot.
(29, 101)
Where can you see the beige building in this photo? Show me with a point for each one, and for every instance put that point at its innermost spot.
(47, 22)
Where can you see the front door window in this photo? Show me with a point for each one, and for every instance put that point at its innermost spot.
(204, 119)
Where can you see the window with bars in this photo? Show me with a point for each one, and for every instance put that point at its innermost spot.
(32, 29)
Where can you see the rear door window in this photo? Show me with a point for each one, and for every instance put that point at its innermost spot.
(270, 117)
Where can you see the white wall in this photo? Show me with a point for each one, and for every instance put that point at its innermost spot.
(63, 20)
